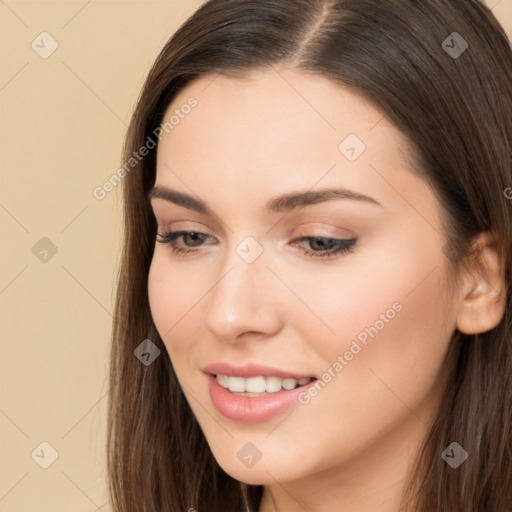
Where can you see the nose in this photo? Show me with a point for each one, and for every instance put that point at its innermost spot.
(244, 302)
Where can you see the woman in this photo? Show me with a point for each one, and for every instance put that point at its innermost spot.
(313, 310)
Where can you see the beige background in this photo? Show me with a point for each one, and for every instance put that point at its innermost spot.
(63, 120)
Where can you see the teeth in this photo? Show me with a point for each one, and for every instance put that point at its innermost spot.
(255, 384)
(223, 380)
(273, 384)
(289, 383)
(236, 384)
(259, 384)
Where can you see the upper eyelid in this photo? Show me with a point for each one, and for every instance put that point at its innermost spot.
(212, 218)
(166, 226)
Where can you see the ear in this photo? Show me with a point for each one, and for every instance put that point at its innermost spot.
(484, 289)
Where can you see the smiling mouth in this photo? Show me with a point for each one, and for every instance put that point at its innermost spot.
(259, 385)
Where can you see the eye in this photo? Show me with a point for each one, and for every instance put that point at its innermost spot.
(324, 247)
(320, 247)
(170, 237)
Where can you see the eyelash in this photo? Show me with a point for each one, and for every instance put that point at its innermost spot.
(344, 246)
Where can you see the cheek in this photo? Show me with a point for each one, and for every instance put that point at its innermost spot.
(392, 332)
(172, 293)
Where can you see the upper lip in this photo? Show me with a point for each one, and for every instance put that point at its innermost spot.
(252, 370)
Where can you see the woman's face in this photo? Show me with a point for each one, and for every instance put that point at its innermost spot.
(371, 323)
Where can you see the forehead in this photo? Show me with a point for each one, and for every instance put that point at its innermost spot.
(279, 97)
(303, 109)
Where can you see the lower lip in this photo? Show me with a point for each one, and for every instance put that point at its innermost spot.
(255, 409)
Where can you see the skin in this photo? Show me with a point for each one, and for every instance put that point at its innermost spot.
(250, 140)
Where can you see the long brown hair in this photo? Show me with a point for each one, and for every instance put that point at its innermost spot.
(455, 107)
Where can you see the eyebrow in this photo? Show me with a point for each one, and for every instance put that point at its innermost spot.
(281, 204)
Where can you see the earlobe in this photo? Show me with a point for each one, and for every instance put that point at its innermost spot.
(483, 299)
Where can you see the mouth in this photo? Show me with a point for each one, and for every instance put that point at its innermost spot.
(257, 398)
(259, 385)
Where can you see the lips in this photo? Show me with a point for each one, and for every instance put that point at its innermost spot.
(253, 409)
(253, 406)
